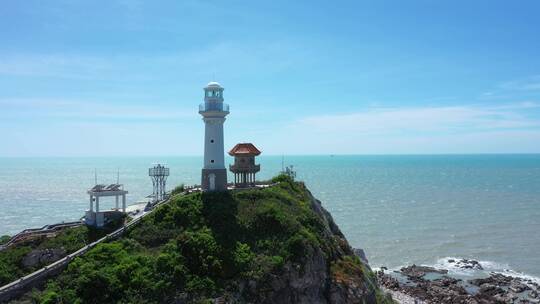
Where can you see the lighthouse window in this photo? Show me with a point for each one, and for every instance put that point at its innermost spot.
(211, 140)
(212, 161)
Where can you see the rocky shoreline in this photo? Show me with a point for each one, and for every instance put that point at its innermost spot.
(423, 284)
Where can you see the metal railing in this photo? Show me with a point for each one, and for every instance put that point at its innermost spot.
(35, 232)
(211, 106)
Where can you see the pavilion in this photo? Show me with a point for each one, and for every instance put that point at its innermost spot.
(244, 167)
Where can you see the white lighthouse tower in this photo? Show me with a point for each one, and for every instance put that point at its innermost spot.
(213, 111)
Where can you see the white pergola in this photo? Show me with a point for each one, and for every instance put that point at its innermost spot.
(111, 190)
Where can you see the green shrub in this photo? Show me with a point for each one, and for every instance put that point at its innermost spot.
(243, 256)
(4, 239)
(50, 297)
(200, 285)
(178, 189)
(282, 178)
(201, 252)
(10, 263)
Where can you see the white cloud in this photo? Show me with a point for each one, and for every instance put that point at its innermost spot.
(243, 58)
(85, 109)
(427, 119)
(526, 84)
(450, 129)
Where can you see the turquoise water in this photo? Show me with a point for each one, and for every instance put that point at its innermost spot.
(400, 209)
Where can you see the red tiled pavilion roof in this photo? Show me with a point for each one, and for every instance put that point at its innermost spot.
(244, 149)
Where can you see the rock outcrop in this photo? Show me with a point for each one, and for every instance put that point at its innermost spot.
(39, 257)
(497, 288)
(322, 277)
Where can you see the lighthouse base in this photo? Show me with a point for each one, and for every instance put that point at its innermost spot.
(214, 180)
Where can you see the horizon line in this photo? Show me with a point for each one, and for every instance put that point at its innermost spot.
(279, 155)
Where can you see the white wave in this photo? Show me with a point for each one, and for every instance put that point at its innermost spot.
(521, 275)
(488, 267)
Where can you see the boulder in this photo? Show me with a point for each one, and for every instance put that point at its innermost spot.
(40, 257)
(416, 272)
(466, 264)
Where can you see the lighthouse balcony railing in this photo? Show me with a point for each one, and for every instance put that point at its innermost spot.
(245, 168)
(208, 107)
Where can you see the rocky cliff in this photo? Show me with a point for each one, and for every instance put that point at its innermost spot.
(334, 276)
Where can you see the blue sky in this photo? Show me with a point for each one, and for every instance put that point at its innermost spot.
(111, 78)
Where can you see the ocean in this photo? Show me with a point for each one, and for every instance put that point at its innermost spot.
(401, 210)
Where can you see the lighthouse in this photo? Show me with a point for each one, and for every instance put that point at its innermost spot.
(213, 111)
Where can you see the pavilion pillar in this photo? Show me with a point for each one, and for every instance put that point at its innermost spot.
(123, 203)
(116, 197)
(97, 203)
(91, 203)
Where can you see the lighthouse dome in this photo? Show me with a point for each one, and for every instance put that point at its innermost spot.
(213, 84)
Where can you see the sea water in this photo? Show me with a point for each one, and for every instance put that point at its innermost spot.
(399, 209)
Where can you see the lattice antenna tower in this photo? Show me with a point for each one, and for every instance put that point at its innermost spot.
(158, 174)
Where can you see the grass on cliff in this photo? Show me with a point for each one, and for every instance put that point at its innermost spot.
(197, 247)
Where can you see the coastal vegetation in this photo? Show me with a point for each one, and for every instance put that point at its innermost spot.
(4, 239)
(178, 189)
(231, 245)
(28, 256)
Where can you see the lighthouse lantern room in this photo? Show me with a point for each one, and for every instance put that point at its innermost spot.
(213, 111)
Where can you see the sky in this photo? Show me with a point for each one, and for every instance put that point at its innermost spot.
(124, 78)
